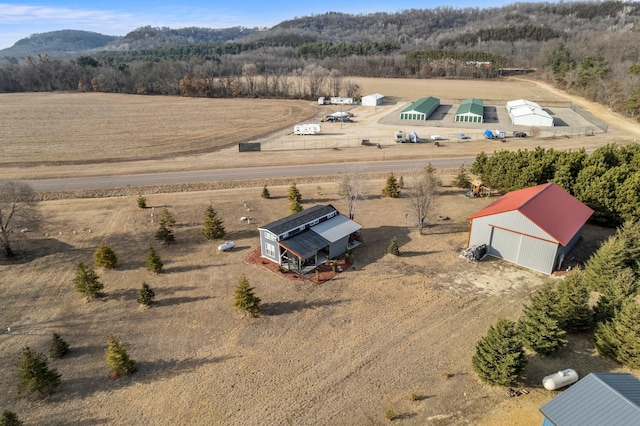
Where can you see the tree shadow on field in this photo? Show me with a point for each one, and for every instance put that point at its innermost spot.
(30, 249)
(147, 372)
(283, 308)
(171, 301)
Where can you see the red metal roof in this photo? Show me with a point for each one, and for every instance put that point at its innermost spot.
(550, 207)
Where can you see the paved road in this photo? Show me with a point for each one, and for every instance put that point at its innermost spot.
(98, 182)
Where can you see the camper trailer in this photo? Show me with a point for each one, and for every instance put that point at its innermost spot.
(307, 129)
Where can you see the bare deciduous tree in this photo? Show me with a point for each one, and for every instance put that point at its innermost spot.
(352, 188)
(18, 210)
(422, 196)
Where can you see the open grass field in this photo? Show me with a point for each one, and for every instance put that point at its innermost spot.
(339, 353)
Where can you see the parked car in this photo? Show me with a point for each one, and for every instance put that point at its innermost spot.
(519, 134)
(462, 136)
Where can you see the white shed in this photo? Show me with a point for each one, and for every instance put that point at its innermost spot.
(374, 99)
(527, 113)
(534, 227)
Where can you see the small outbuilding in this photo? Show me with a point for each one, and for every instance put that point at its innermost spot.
(527, 113)
(534, 227)
(374, 99)
(337, 100)
(306, 239)
(470, 111)
(597, 399)
(420, 110)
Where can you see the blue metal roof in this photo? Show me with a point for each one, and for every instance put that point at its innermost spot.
(294, 221)
(597, 399)
(305, 245)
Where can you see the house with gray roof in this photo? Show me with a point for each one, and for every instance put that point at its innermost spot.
(306, 239)
(597, 399)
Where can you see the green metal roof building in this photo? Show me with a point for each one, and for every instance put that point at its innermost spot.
(470, 111)
(420, 110)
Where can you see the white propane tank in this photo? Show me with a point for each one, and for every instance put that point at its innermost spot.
(226, 246)
(560, 379)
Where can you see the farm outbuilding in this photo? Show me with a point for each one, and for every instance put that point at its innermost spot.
(527, 113)
(534, 227)
(304, 240)
(336, 100)
(420, 110)
(374, 99)
(597, 399)
(470, 111)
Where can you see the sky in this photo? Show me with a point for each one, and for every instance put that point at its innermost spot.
(21, 19)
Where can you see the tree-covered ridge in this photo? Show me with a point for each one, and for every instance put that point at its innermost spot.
(325, 49)
(528, 32)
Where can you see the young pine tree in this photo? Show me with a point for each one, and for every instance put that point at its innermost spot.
(393, 247)
(35, 378)
(391, 188)
(145, 295)
(142, 202)
(539, 329)
(86, 282)
(573, 311)
(9, 418)
(265, 193)
(165, 229)
(605, 264)
(58, 347)
(245, 298)
(105, 257)
(153, 261)
(295, 207)
(620, 337)
(462, 178)
(213, 226)
(621, 290)
(118, 359)
(294, 194)
(499, 357)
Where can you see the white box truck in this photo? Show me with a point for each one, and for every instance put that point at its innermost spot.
(307, 129)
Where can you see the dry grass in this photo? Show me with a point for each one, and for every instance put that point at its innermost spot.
(342, 352)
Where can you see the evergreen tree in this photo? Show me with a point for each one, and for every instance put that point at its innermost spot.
(86, 281)
(165, 230)
(573, 312)
(145, 295)
(36, 379)
(621, 290)
(605, 265)
(213, 226)
(265, 193)
(105, 257)
(9, 418)
(118, 359)
(295, 207)
(294, 194)
(142, 202)
(541, 333)
(620, 337)
(393, 247)
(462, 178)
(499, 357)
(154, 263)
(401, 182)
(391, 188)
(245, 298)
(58, 347)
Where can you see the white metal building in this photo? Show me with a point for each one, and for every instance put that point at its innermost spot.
(527, 113)
(374, 99)
(534, 227)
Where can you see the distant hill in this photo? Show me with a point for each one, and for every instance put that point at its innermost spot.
(517, 31)
(58, 43)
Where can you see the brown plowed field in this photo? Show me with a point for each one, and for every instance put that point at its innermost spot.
(338, 353)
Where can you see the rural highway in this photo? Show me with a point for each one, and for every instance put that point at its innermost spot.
(100, 182)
